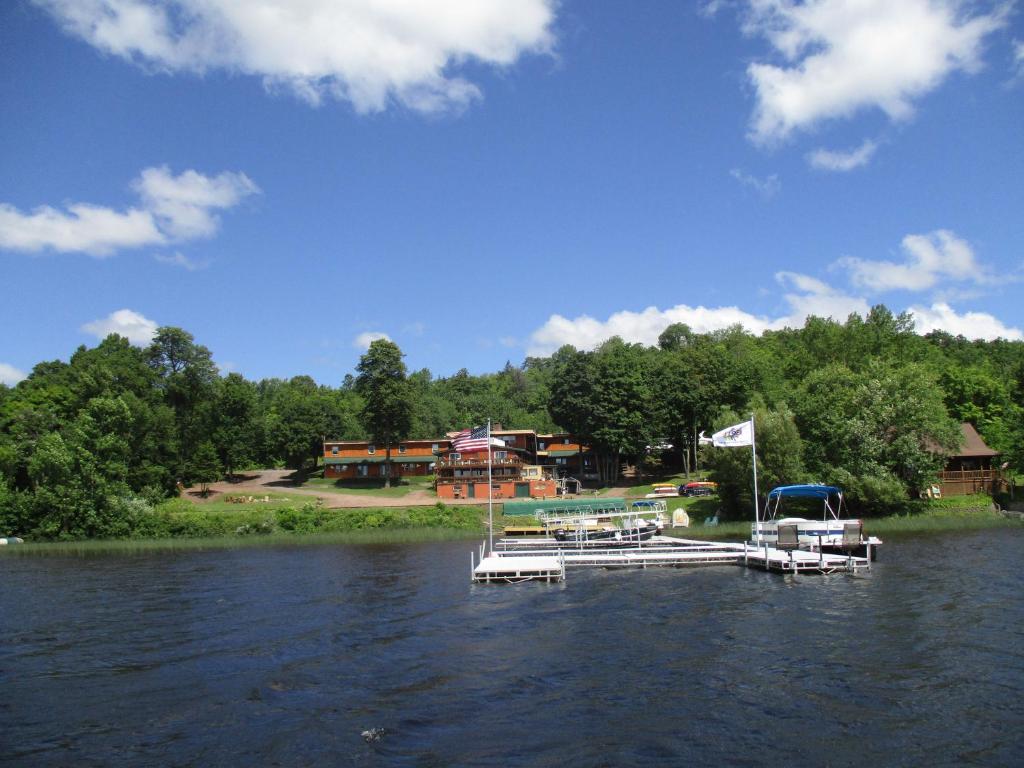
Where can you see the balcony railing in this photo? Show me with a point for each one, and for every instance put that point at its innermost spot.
(511, 461)
(963, 475)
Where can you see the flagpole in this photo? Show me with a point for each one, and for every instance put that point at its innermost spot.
(753, 453)
(490, 492)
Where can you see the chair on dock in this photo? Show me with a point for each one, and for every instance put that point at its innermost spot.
(852, 535)
(788, 538)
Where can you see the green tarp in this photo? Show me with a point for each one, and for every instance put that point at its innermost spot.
(610, 504)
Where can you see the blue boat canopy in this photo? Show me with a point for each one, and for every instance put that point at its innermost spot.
(804, 492)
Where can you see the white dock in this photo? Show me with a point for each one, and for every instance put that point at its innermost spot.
(547, 559)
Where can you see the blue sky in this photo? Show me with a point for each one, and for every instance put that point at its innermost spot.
(480, 180)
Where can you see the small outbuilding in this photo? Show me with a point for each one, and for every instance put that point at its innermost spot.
(974, 468)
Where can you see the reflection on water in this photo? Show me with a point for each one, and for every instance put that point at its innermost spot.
(284, 656)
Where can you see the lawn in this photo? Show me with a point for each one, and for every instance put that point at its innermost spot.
(371, 488)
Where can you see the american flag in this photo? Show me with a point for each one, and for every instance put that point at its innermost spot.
(471, 440)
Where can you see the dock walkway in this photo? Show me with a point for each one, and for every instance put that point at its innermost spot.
(547, 559)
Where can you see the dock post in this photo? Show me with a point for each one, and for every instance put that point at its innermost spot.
(472, 565)
(744, 553)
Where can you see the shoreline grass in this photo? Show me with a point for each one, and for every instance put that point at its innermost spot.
(368, 536)
(392, 527)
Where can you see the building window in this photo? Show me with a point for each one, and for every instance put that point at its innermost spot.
(383, 470)
(510, 440)
(542, 446)
(454, 456)
(566, 441)
(501, 455)
(560, 460)
(401, 449)
(334, 450)
(362, 470)
(434, 447)
(371, 448)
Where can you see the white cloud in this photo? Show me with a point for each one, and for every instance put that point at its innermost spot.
(1018, 60)
(585, 332)
(930, 258)
(10, 375)
(972, 325)
(837, 160)
(363, 340)
(368, 52)
(844, 56)
(767, 187)
(183, 205)
(84, 228)
(139, 330)
(806, 296)
(811, 296)
(178, 259)
(174, 208)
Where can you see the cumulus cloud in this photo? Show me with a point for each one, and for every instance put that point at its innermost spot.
(585, 332)
(807, 296)
(174, 208)
(767, 187)
(184, 205)
(367, 52)
(10, 375)
(82, 227)
(939, 255)
(138, 329)
(363, 340)
(838, 160)
(844, 56)
(972, 325)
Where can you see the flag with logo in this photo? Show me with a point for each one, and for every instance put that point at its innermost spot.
(735, 436)
(475, 439)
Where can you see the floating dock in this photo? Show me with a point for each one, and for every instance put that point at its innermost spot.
(544, 559)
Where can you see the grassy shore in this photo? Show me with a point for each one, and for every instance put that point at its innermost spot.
(378, 536)
(180, 525)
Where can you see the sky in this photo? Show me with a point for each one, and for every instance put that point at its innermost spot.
(483, 180)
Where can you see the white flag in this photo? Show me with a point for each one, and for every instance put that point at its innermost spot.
(735, 436)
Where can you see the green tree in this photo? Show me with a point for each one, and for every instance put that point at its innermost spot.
(205, 467)
(387, 397)
(779, 459)
(235, 433)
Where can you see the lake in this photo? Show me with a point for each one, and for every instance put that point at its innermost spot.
(283, 656)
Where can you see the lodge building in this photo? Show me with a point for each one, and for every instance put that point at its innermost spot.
(527, 465)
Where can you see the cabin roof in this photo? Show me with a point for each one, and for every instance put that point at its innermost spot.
(972, 444)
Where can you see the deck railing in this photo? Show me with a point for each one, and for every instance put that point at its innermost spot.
(969, 474)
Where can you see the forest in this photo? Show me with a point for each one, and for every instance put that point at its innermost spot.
(89, 446)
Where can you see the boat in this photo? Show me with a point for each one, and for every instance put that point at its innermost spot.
(641, 531)
(699, 488)
(662, 490)
(832, 533)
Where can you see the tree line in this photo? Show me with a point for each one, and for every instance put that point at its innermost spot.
(88, 445)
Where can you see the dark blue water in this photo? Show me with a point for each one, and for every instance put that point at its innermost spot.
(284, 656)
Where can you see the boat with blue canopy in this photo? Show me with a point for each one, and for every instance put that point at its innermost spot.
(831, 533)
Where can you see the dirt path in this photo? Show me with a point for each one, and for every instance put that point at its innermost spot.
(262, 482)
(279, 481)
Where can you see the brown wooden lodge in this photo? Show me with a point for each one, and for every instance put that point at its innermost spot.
(972, 469)
(529, 465)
